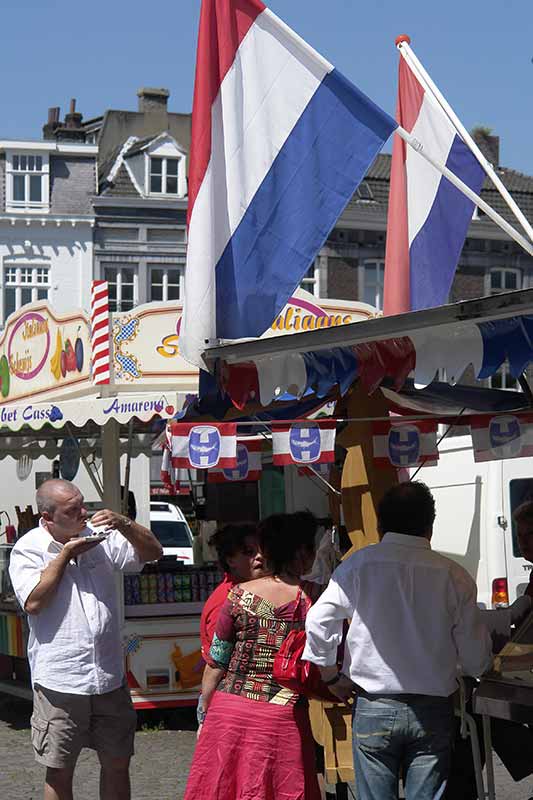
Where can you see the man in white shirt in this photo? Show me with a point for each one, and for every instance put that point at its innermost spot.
(67, 585)
(414, 625)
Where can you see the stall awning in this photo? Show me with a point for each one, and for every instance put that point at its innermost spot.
(480, 334)
(98, 410)
(482, 310)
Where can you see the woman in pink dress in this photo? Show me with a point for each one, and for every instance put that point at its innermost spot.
(256, 741)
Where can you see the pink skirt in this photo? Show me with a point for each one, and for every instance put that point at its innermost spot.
(250, 750)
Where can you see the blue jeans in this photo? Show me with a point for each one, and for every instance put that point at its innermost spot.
(398, 734)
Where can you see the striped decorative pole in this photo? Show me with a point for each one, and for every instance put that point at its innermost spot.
(100, 332)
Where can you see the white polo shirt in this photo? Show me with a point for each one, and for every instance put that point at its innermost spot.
(75, 642)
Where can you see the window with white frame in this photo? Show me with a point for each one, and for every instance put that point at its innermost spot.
(123, 286)
(27, 181)
(164, 173)
(373, 282)
(309, 281)
(505, 279)
(24, 284)
(165, 282)
(502, 379)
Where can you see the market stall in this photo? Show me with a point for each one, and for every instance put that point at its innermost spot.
(397, 385)
(49, 398)
(51, 408)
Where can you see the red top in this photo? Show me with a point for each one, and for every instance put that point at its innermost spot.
(211, 610)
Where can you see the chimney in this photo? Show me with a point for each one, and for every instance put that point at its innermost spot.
(151, 100)
(488, 144)
(73, 118)
(71, 130)
(53, 122)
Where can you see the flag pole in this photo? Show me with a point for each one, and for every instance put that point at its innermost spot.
(403, 45)
(466, 190)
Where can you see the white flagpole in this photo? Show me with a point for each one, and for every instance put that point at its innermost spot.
(403, 45)
(466, 190)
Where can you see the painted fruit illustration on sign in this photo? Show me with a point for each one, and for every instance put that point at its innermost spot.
(70, 356)
(4, 376)
(55, 361)
(66, 358)
(78, 349)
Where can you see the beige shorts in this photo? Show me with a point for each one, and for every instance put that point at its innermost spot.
(62, 724)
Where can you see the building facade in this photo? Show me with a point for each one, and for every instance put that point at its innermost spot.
(141, 204)
(46, 222)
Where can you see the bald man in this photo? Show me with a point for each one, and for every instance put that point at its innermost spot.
(65, 581)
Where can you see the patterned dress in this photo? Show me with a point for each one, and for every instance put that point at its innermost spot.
(256, 742)
(248, 634)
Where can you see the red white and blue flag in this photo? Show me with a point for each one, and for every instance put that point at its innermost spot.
(203, 446)
(248, 467)
(501, 437)
(303, 443)
(405, 444)
(428, 217)
(280, 141)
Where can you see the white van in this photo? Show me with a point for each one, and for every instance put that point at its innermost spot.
(168, 523)
(474, 526)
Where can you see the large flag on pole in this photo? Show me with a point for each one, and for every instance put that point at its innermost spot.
(280, 142)
(428, 217)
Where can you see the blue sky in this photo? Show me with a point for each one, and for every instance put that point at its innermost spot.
(102, 51)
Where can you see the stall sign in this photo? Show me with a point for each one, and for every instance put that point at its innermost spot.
(146, 339)
(42, 353)
(100, 410)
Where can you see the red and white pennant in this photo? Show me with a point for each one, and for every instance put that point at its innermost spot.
(168, 472)
(502, 436)
(248, 465)
(403, 444)
(303, 442)
(203, 446)
(100, 349)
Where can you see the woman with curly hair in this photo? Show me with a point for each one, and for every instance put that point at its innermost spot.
(256, 741)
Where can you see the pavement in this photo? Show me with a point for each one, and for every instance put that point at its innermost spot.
(164, 747)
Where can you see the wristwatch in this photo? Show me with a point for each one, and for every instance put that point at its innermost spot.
(334, 680)
(127, 522)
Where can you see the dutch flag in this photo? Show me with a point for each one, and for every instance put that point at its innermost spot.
(428, 217)
(280, 142)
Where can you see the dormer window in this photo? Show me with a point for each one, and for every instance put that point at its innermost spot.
(157, 167)
(164, 174)
(364, 192)
(27, 181)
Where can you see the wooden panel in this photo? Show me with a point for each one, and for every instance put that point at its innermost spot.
(332, 728)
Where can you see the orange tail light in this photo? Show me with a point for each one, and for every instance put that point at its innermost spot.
(500, 593)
